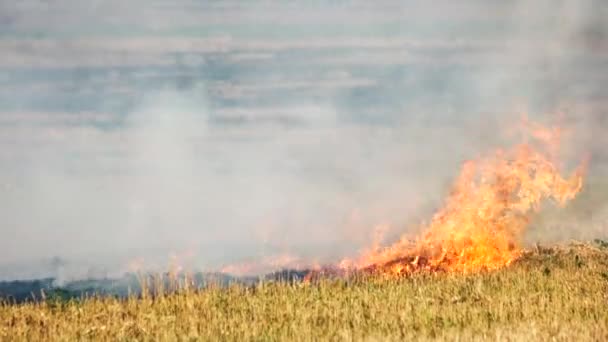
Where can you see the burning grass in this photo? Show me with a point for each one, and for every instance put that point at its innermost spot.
(485, 215)
(450, 283)
(548, 293)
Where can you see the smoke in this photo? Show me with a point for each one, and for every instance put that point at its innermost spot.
(205, 134)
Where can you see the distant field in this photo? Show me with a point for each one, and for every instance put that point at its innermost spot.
(556, 293)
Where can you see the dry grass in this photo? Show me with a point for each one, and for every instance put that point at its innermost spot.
(551, 294)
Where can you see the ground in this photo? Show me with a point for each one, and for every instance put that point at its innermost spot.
(557, 293)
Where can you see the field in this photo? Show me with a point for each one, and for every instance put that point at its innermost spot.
(558, 293)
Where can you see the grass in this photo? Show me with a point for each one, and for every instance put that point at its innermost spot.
(557, 293)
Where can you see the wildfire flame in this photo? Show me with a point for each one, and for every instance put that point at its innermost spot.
(485, 215)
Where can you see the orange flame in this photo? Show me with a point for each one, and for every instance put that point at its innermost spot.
(484, 217)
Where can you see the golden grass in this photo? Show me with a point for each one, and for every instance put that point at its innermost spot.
(550, 294)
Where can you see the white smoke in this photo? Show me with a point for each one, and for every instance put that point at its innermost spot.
(288, 129)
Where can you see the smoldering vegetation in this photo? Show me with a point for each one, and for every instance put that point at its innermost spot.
(133, 285)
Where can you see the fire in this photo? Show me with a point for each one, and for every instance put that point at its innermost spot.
(267, 264)
(486, 213)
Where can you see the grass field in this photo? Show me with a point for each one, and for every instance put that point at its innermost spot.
(558, 293)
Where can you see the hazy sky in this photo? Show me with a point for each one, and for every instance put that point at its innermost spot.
(218, 131)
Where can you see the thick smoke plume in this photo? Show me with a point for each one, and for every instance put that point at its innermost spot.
(218, 134)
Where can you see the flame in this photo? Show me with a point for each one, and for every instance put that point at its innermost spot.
(265, 265)
(487, 212)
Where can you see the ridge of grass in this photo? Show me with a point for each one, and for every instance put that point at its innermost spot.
(557, 293)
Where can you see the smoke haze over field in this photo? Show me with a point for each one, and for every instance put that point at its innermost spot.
(219, 131)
